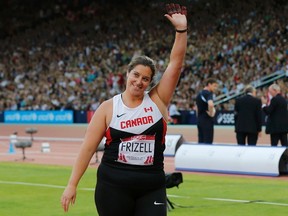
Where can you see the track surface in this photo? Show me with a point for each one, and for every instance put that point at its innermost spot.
(65, 141)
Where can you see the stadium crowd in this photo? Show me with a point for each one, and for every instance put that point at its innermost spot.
(66, 54)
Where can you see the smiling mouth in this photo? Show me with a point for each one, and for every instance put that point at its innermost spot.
(137, 87)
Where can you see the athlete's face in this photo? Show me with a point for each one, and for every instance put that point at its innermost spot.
(138, 79)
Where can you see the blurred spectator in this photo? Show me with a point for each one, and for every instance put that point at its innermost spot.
(277, 121)
(174, 113)
(248, 117)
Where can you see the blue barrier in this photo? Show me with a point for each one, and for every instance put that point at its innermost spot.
(80, 116)
(188, 117)
(221, 118)
(227, 118)
(38, 117)
(1, 116)
(69, 117)
(224, 118)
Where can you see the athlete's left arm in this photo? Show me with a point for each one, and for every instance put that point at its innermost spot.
(166, 87)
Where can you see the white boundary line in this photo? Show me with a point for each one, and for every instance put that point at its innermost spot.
(228, 200)
(63, 187)
(247, 201)
(41, 185)
(169, 195)
(31, 184)
(176, 196)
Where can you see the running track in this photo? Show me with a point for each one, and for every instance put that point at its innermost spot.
(65, 141)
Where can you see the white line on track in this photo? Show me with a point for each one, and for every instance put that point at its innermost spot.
(247, 201)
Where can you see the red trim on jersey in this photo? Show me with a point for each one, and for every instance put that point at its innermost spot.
(108, 136)
(164, 130)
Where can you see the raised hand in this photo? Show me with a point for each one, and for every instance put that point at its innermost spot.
(176, 8)
(177, 16)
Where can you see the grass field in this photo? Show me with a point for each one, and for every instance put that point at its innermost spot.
(28, 190)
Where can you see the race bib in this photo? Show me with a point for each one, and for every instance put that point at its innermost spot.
(137, 150)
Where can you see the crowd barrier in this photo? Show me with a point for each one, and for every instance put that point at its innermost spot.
(39, 117)
(1, 116)
(172, 142)
(69, 117)
(232, 159)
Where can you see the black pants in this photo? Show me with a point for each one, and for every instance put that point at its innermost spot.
(276, 137)
(129, 193)
(205, 131)
(251, 138)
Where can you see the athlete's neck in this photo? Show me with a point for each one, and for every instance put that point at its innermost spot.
(130, 100)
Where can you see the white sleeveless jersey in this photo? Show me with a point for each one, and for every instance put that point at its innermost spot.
(135, 136)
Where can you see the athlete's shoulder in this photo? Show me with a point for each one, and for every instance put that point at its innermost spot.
(105, 105)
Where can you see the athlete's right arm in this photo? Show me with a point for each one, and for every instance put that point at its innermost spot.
(93, 136)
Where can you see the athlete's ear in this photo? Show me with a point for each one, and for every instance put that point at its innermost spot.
(127, 74)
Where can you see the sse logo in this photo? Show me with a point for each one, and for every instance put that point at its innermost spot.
(225, 118)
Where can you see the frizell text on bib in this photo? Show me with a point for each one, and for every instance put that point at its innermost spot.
(137, 150)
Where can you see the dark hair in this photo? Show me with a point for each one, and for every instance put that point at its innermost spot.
(210, 81)
(143, 60)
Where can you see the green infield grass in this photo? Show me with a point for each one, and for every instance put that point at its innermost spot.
(28, 190)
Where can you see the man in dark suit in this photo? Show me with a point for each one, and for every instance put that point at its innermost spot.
(248, 117)
(277, 121)
(206, 112)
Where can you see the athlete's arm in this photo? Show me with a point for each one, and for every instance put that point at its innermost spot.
(165, 88)
(93, 136)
